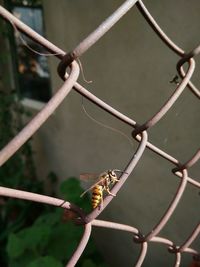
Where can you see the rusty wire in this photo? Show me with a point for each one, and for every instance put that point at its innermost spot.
(139, 132)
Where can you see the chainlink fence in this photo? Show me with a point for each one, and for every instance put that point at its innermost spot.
(139, 134)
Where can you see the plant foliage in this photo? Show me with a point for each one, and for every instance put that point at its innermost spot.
(34, 234)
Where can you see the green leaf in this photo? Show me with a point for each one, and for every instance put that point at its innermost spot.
(70, 189)
(35, 237)
(64, 240)
(50, 218)
(23, 260)
(15, 246)
(46, 261)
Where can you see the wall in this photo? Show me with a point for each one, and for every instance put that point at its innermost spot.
(131, 69)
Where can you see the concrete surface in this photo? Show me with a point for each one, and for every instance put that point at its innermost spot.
(131, 70)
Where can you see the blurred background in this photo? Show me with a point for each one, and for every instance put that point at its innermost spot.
(131, 70)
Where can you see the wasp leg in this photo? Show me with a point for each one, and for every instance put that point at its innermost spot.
(115, 180)
(108, 191)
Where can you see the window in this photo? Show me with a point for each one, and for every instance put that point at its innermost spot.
(33, 73)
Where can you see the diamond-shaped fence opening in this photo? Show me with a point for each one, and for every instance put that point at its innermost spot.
(139, 134)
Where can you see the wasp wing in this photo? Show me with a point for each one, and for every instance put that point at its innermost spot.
(88, 176)
(101, 178)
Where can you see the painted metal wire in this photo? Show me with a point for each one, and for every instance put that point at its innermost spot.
(139, 133)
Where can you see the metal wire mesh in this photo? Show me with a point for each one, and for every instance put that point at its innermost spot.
(139, 133)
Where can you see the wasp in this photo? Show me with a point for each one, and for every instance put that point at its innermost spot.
(105, 180)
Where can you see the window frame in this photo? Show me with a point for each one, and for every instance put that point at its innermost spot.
(26, 101)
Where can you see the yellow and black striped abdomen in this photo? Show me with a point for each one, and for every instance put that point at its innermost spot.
(97, 195)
